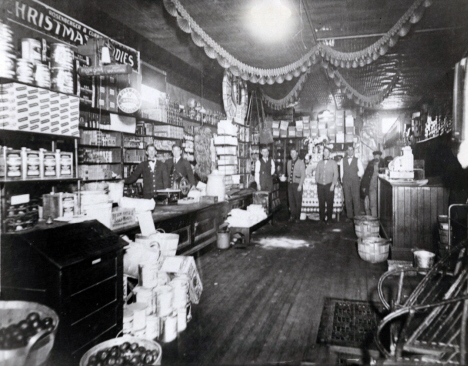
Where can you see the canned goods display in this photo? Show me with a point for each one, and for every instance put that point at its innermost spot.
(42, 76)
(62, 80)
(31, 50)
(25, 71)
(61, 56)
(7, 55)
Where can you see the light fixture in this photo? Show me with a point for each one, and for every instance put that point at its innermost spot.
(270, 20)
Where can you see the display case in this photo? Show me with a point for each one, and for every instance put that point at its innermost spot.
(75, 269)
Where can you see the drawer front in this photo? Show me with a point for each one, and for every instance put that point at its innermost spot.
(185, 236)
(204, 228)
(89, 272)
(92, 299)
(87, 329)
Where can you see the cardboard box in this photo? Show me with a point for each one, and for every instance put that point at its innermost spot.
(185, 265)
(349, 130)
(349, 121)
(340, 138)
(122, 217)
(349, 138)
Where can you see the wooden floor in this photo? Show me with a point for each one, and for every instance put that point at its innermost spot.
(262, 306)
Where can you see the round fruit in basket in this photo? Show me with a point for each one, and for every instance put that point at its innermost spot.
(27, 332)
(123, 351)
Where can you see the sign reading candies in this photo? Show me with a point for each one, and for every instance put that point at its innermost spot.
(129, 100)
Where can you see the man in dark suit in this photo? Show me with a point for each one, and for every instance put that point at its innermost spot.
(179, 167)
(155, 175)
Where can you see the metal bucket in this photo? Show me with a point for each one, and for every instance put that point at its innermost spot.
(423, 259)
(223, 240)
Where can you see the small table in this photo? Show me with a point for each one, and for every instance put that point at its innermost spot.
(247, 231)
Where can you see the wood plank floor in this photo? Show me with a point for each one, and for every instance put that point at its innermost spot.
(262, 306)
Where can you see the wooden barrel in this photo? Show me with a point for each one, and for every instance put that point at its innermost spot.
(373, 249)
(365, 226)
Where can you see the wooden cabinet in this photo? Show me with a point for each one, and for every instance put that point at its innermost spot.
(75, 269)
(408, 215)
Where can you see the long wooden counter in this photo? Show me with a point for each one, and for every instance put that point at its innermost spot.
(196, 224)
(408, 213)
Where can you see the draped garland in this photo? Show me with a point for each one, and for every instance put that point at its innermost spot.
(351, 93)
(295, 69)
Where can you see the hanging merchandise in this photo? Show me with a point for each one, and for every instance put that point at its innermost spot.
(328, 54)
(203, 144)
(235, 97)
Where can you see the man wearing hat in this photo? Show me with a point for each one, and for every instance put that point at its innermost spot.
(369, 184)
(179, 167)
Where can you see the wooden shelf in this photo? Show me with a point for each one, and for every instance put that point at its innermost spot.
(149, 120)
(96, 163)
(101, 129)
(35, 180)
(36, 134)
(4, 80)
(101, 180)
(99, 146)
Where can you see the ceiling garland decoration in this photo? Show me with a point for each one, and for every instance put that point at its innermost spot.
(340, 81)
(292, 96)
(358, 98)
(295, 69)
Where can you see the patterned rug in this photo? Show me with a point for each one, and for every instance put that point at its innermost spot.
(349, 324)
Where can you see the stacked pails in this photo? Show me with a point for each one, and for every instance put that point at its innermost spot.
(61, 62)
(7, 54)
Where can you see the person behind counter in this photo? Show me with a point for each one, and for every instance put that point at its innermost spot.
(369, 183)
(179, 167)
(264, 170)
(154, 173)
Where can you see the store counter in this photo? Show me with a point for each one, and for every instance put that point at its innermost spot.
(408, 214)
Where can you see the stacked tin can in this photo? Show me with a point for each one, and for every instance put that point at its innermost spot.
(7, 54)
(61, 62)
(30, 68)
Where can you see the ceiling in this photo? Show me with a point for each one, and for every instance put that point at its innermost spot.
(424, 58)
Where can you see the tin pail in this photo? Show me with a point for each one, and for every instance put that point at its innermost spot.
(223, 240)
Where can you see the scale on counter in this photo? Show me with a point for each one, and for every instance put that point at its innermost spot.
(167, 196)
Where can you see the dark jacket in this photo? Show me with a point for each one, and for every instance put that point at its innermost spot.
(183, 167)
(367, 177)
(152, 181)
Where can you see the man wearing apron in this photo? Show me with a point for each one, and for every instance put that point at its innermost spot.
(264, 170)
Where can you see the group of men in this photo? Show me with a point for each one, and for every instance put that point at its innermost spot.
(327, 175)
(161, 175)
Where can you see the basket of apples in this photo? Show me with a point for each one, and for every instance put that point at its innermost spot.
(27, 333)
(126, 350)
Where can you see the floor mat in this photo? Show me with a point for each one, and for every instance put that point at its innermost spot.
(349, 324)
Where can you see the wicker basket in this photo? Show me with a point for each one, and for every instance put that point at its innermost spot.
(373, 249)
(13, 312)
(365, 226)
(148, 344)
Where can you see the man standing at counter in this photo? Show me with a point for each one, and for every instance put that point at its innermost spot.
(296, 177)
(154, 173)
(350, 176)
(178, 167)
(369, 184)
(264, 170)
(326, 175)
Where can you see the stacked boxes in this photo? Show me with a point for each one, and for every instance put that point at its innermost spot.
(27, 108)
(106, 93)
(169, 131)
(99, 138)
(96, 172)
(226, 143)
